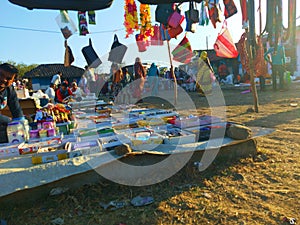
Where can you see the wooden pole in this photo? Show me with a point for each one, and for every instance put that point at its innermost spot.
(260, 20)
(251, 65)
(172, 71)
(251, 37)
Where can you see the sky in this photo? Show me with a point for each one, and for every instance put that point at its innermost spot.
(34, 37)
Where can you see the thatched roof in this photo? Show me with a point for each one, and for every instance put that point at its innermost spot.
(48, 70)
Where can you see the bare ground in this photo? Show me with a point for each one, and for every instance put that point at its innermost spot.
(262, 189)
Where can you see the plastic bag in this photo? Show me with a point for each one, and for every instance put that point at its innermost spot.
(65, 24)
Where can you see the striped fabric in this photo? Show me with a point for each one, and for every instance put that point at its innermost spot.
(183, 52)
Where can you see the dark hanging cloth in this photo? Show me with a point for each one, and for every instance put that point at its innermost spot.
(230, 8)
(214, 14)
(92, 17)
(69, 58)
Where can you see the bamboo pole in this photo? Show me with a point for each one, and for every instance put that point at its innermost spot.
(172, 71)
(250, 49)
(251, 65)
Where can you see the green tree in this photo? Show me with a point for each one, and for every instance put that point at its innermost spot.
(23, 68)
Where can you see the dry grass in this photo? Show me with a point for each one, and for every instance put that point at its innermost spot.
(260, 190)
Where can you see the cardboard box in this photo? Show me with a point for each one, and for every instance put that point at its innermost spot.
(46, 157)
(187, 122)
(28, 106)
(179, 137)
(8, 150)
(145, 138)
(29, 148)
(113, 141)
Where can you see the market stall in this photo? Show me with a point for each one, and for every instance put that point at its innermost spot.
(98, 131)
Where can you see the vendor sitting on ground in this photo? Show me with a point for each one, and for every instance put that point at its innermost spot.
(223, 72)
(8, 97)
(62, 93)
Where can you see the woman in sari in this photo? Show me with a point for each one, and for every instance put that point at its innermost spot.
(139, 79)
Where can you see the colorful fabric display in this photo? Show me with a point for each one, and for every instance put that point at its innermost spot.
(92, 17)
(192, 14)
(146, 29)
(214, 14)
(190, 24)
(244, 57)
(224, 45)
(175, 19)
(130, 17)
(174, 32)
(183, 51)
(170, 32)
(230, 8)
(141, 42)
(83, 26)
(156, 38)
(203, 18)
(260, 63)
(164, 33)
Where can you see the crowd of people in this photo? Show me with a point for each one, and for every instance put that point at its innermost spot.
(60, 91)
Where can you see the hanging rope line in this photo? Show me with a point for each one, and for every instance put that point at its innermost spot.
(57, 32)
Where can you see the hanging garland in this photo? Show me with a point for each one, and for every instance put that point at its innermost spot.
(130, 17)
(146, 29)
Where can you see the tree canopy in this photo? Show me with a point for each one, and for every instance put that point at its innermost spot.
(23, 68)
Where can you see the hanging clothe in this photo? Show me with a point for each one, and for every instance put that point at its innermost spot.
(203, 20)
(92, 17)
(69, 58)
(241, 46)
(82, 23)
(244, 14)
(146, 29)
(260, 63)
(130, 17)
(214, 13)
(230, 8)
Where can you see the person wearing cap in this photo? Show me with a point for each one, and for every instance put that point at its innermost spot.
(62, 93)
(8, 97)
